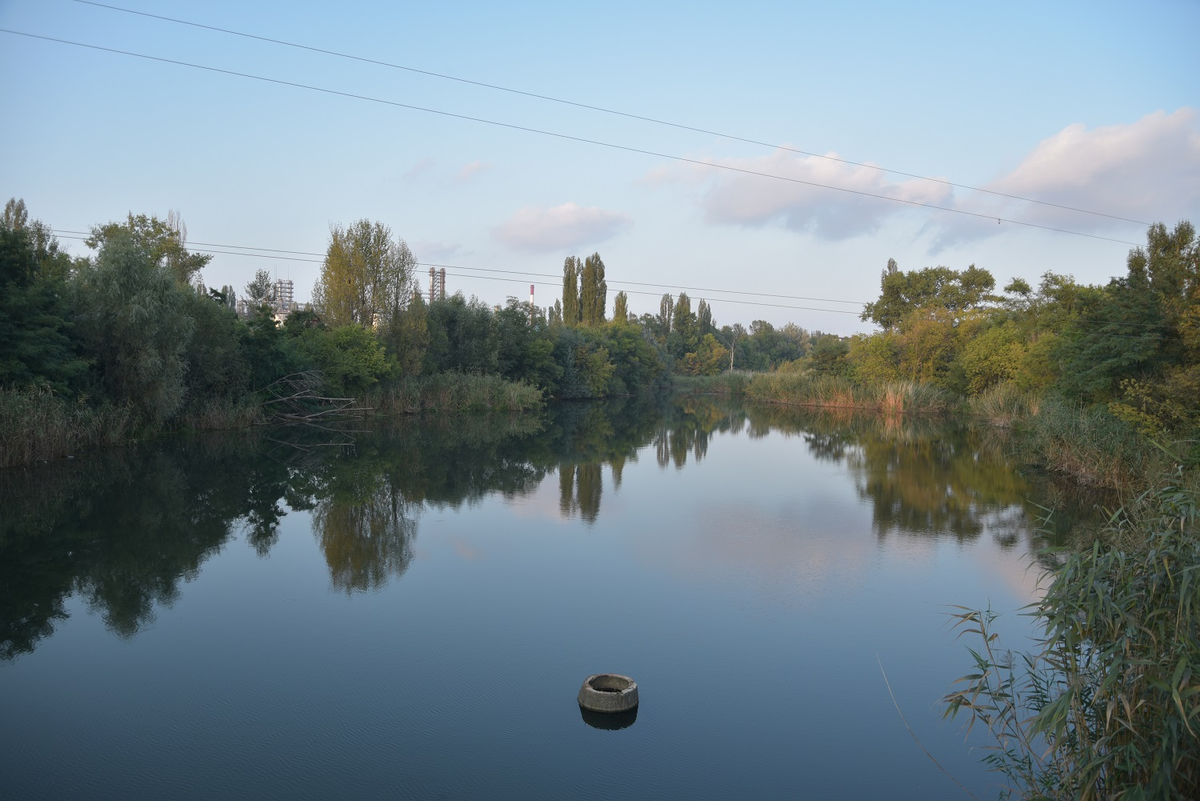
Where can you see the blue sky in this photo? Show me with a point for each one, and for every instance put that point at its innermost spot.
(1087, 104)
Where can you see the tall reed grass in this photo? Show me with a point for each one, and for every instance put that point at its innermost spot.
(454, 392)
(891, 398)
(36, 424)
(732, 384)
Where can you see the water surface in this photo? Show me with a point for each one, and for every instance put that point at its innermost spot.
(409, 612)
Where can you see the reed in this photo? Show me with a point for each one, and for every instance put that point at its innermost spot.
(891, 398)
(36, 425)
(454, 392)
(1088, 444)
(729, 384)
(1107, 706)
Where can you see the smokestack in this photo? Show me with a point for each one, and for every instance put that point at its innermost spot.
(531, 305)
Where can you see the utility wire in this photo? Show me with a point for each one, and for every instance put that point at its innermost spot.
(209, 248)
(602, 109)
(567, 137)
(79, 235)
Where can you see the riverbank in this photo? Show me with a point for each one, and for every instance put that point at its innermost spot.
(1086, 444)
(38, 425)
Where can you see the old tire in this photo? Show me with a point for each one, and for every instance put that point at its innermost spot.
(608, 693)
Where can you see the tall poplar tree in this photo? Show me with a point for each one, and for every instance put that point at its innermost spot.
(666, 309)
(621, 308)
(570, 298)
(594, 291)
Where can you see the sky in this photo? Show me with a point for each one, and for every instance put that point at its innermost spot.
(766, 157)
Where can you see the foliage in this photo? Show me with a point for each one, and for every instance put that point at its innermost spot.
(36, 342)
(162, 241)
(593, 291)
(349, 357)
(709, 358)
(367, 278)
(460, 337)
(133, 324)
(571, 314)
(1107, 706)
(621, 308)
(904, 293)
(261, 290)
(217, 368)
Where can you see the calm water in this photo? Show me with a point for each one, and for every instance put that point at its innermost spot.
(412, 615)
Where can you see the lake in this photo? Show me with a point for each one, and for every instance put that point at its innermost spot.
(410, 611)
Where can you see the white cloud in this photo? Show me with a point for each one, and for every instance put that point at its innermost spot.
(469, 171)
(1148, 170)
(792, 189)
(560, 228)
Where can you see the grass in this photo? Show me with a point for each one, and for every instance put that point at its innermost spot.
(731, 384)
(892, 398)
(454, 392)
(36, 425)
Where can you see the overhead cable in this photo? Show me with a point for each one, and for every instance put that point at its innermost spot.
(568, 137)
(604, 110)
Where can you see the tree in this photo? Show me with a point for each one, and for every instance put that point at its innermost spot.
(620, 308)
(407, 336)
(367, 278)
(666, 310)
(903, 294)
(260, 291)
(131, 317)
(704, 318)
(162, 240)
(570, 298)
(593, 293)
(36, 346)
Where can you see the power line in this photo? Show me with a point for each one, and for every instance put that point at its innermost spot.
(79, 235)
(604, 110)
(568, 137)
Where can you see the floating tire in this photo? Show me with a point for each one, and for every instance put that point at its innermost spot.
(608, 693)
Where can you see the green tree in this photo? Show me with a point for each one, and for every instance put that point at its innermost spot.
(684, 336)
(261, 290)
(571, 313)
(904, 294)
(36, 346)
(593, 293)
(709, 358)
(163, 242)
(407, 336)
(704, 318)
(621, 308)
(367, 278)
(132, 321)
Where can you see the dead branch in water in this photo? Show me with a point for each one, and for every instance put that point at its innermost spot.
(296, 401)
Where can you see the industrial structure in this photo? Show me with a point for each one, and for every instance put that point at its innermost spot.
(437, 284)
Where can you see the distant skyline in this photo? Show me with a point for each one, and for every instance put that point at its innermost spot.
(1088, 105)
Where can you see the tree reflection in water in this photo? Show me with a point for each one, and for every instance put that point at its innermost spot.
(123, 529)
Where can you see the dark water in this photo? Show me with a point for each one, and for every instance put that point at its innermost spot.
(411, 615)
